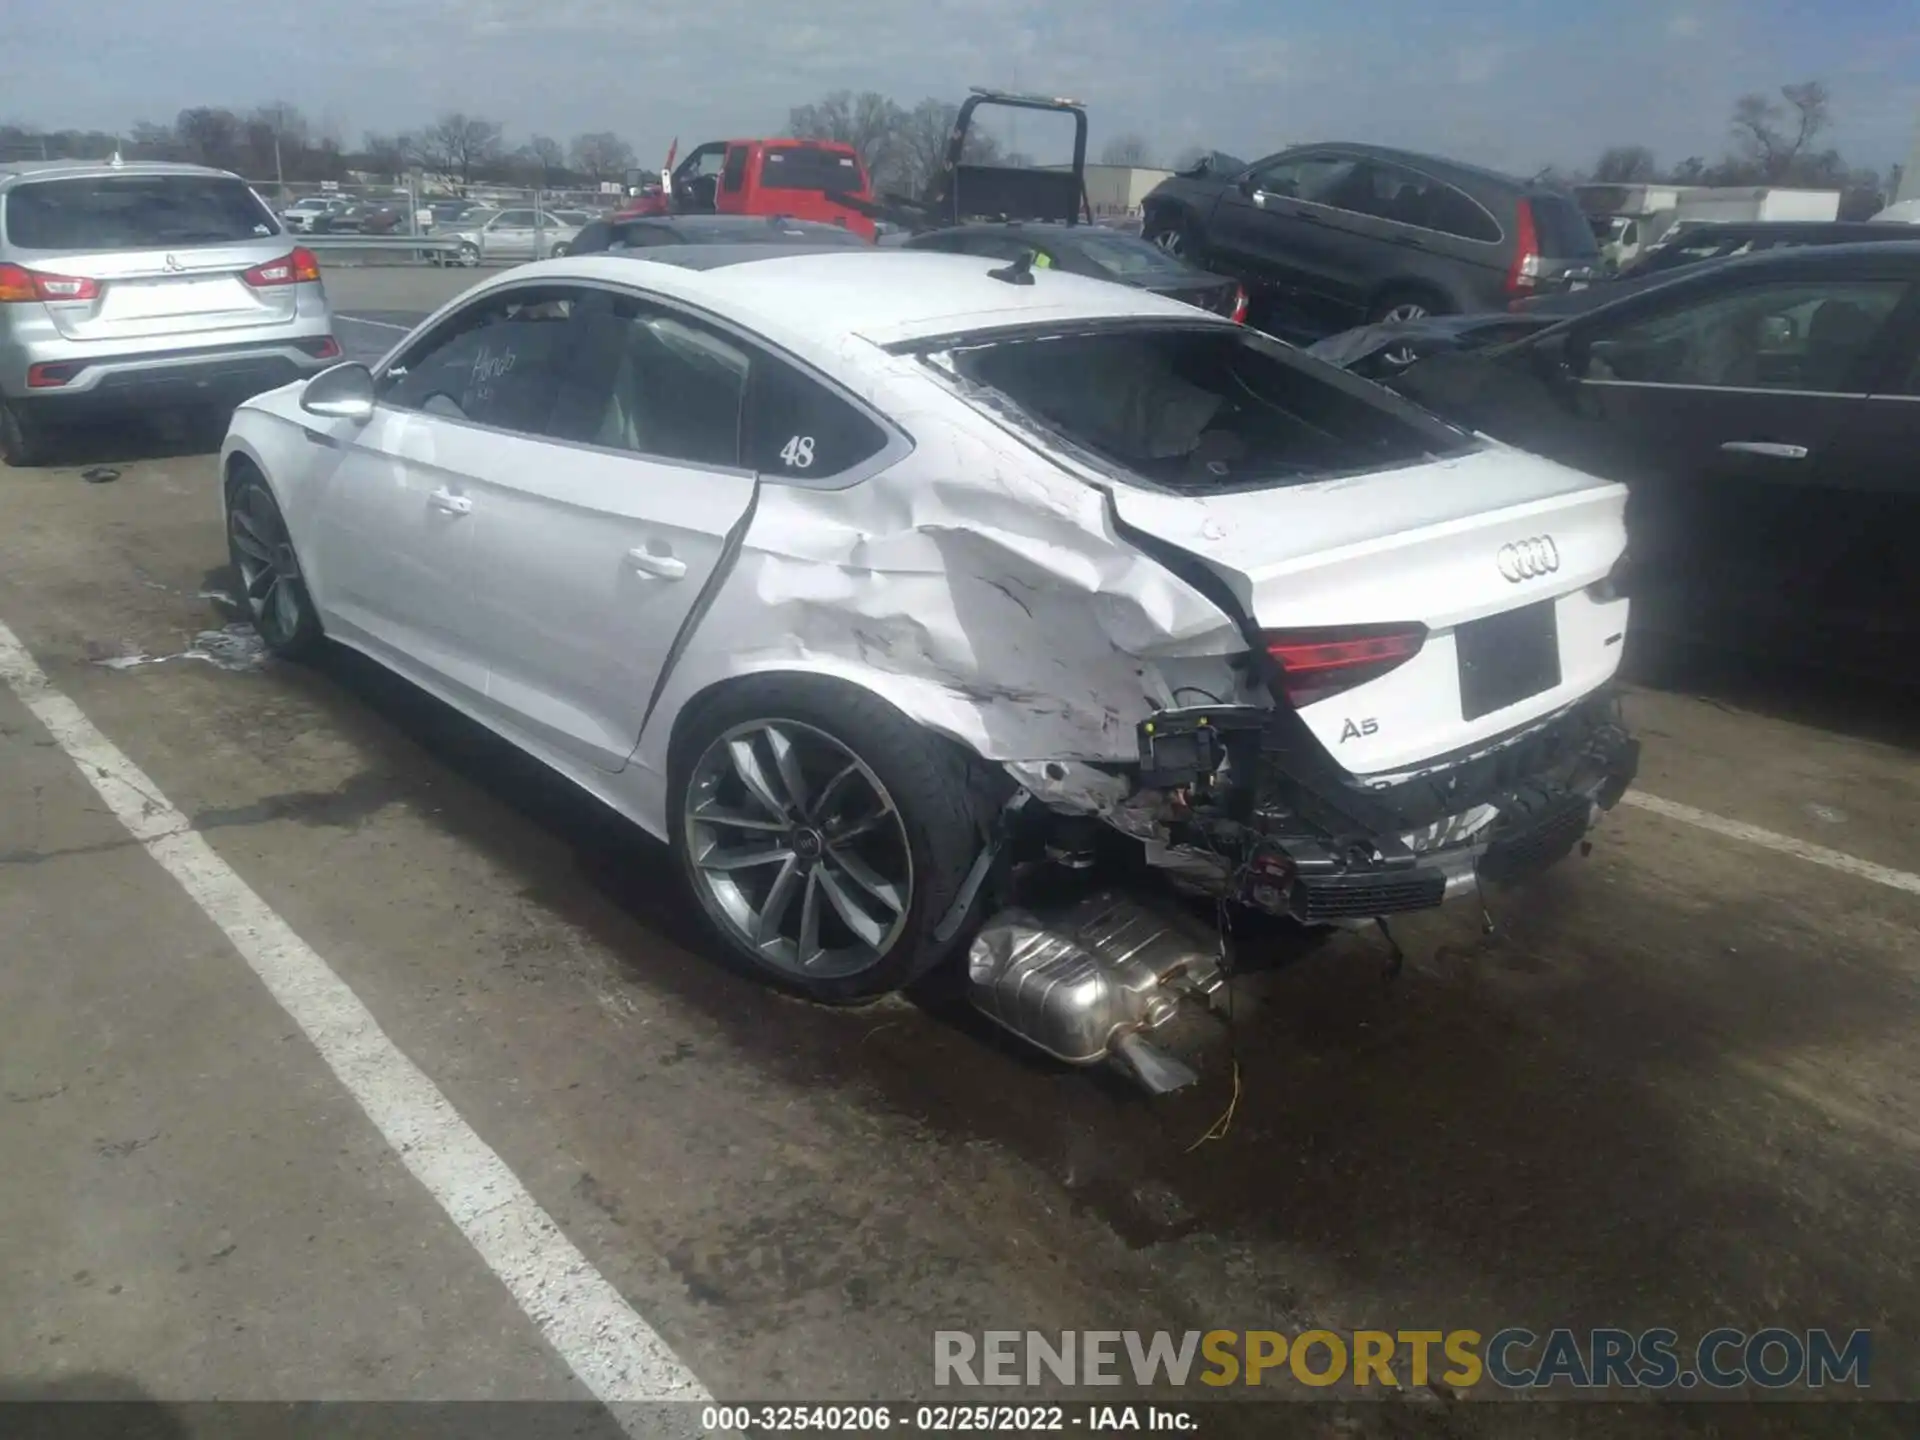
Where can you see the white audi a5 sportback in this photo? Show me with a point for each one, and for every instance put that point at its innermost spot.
(859, 576)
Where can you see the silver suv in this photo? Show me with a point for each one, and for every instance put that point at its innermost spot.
(139, 286)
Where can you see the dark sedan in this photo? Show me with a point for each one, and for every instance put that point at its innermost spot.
(1765, 412)
(1093, 250)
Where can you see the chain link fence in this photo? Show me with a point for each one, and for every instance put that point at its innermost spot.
(485, 225)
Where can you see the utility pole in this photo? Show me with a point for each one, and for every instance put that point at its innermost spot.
(279, 176)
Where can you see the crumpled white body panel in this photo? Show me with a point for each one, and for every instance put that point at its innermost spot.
(975, 585)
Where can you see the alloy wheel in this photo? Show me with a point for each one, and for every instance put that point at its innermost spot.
(269, 570)
(798, 849)
(1172, 240)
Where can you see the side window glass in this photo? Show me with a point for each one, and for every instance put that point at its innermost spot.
(513, 220)
(1811, 335)
(594, 236)
(643, 379)
(734, 176)
(797, 427)
(493, 363)
(1316, 178)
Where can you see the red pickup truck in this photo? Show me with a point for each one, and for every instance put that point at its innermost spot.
(803, 179)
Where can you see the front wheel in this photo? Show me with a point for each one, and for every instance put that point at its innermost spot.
(469, 255)
(271, 585)
(1171, 235)
(823, 834)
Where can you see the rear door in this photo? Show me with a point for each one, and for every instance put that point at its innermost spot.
(594, 547)
(1409, 233)
(152, 255)
(509, 236)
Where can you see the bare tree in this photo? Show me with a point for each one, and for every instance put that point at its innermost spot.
(602, 155)
(210, 136)
(1625, 165)
(457, 146)
(869, 122)
(1690, 171)
(386, 154)
(1773, 139)
(546, 158)
(922, 140)
(1128, 149)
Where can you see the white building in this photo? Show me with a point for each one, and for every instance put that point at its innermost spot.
(1115, 191)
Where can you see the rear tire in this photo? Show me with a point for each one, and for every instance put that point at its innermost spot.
(823, 834)
(23, 440)
(267, 570)
(1407, 304)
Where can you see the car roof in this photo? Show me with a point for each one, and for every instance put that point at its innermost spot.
(18, 170)
(731, 224)
(1692, 229)
(813, 299)
(1438, 166)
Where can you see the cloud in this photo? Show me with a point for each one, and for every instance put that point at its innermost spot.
(1543, 83)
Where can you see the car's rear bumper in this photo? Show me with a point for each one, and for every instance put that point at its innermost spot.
(210, 375)
(1501, 814)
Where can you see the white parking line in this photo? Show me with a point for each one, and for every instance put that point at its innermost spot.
(359, 320)
(1768, 840)
(602, 1339)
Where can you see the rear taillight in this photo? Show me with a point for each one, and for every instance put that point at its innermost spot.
(1524, 273)
(294, 268)
(19, 285)
(321, 347)
(1239, 305)
(1317, 664)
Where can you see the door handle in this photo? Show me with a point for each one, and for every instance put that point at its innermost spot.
(1767, 448)
(666, 567)
(445, 500)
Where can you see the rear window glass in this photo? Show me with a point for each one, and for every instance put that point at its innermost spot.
(1199, 410)
(132, 212)
(1562, 228)
(1129, 255)
(807, 167)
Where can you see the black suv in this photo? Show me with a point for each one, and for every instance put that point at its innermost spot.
(1350, 233)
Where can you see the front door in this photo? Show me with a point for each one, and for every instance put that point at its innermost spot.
(591, 554)
(1277, 229)
(397, 515)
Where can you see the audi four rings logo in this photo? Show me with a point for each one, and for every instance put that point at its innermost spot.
(1529, 559)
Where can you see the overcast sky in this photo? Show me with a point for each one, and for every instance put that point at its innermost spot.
(1512, 83)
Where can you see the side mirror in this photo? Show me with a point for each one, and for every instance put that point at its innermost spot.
(341, 392)
(1245, 183)
(1553, 357)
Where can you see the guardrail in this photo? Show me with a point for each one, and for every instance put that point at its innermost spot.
(399, 248)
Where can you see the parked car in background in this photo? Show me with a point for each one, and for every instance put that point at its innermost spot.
(300, 216)
(455, 213)
(1688, 244)
(802, 179)
(653, 232)
(1764, 411)
(143, 286)
(361, 217)
(1347, 233)
(511, 235)
(1095, 251)
(850, 574)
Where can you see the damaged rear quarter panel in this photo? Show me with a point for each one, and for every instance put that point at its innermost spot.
(974, 585)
